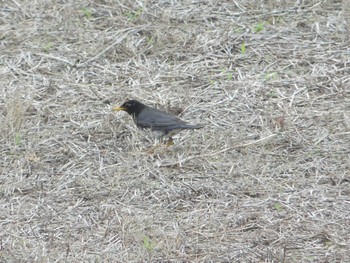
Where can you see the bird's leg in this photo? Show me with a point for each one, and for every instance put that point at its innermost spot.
(170, 142)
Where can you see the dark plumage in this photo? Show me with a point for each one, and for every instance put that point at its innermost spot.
(159, 122)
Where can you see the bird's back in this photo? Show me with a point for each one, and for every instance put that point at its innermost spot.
(160, 120)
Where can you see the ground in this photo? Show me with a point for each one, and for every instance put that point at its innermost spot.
(266, 180)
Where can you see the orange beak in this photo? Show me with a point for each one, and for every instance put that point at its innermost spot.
(118, 109)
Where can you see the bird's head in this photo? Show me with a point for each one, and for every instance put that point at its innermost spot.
(133, 107)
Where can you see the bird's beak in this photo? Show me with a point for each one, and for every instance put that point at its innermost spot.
(118, 108)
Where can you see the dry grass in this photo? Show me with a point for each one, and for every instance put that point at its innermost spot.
(267, 179)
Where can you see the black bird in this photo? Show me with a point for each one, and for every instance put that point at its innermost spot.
(162, 124)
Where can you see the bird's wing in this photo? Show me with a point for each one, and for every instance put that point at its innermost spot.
(158, 120)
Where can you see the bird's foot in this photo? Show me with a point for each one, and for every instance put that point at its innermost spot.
(170, 142)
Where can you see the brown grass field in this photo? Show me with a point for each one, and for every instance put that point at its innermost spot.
(266, 180)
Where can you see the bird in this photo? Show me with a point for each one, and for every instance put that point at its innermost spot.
(161, 123)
